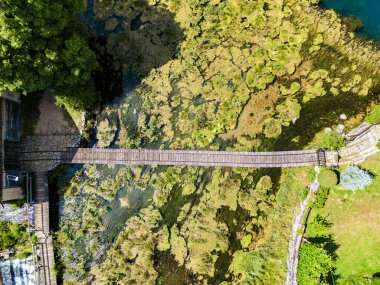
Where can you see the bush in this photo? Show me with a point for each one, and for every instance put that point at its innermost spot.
(332, 140)
(321, 198)
(354, 178)
(314, 265)
(327, 178)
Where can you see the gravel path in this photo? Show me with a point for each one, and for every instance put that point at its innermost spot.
(296, 237)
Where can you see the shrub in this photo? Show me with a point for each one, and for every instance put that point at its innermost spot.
(327, 178)
(332, 140)
(314, 265)
(354, 178)
(246, 240)
(246, 265)
(321, 197)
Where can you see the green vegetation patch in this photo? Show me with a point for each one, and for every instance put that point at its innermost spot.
(327, 178)
(314, 265)
(46, 48)
(374, 116)
(353, 223)
(234, 75)
(15, 236)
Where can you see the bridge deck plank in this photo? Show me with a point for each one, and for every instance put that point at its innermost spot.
(194, 158)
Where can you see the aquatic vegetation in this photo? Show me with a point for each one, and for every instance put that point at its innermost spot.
(235, 75)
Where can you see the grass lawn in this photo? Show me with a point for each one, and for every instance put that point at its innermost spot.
(355, 218)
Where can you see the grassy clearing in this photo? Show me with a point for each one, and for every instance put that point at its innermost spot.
(355, 218)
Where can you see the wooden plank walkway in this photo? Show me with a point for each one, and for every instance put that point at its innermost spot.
(42, 229)
(193, 158)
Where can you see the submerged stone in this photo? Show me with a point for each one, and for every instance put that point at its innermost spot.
(111, 24)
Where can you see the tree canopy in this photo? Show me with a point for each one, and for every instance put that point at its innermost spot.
(43, 45)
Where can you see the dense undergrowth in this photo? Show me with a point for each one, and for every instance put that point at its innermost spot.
(15, 236)
(218, 74)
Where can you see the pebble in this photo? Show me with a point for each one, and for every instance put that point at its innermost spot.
(340, 128)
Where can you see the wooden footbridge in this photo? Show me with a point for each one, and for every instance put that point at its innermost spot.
(362, 145)
(194, 158)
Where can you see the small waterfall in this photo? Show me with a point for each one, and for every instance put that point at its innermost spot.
(18, 272)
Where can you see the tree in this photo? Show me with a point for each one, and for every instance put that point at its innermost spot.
(43, 45)
(327, 178)
(314, 264)
(321, 198)
(354, 178)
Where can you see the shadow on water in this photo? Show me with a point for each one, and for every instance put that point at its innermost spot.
(130, 40)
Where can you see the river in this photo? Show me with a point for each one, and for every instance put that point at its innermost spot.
(366, 10)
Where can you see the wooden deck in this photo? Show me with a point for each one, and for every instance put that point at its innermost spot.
(46, 273)
(193, 158)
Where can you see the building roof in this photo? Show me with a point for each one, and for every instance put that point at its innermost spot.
(5, 147)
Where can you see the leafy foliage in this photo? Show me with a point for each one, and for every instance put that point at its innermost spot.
(314, 265)
(132, 253)
(272, 128)
(353, 178)
(15, 236)
(247, 264)
(289, 111)
(11, 234)
(43, 46)
(332, 140)
(321, 197)
(374, 116)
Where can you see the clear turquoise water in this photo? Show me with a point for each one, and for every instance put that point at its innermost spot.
(367, 10)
